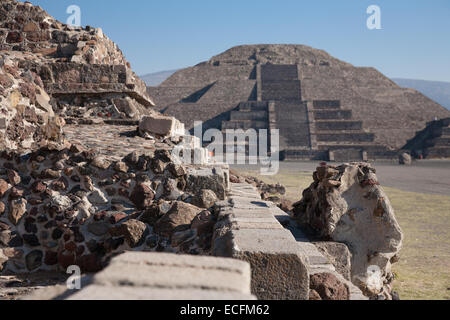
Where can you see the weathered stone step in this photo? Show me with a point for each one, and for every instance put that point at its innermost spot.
(333, 125)
(249, 115)
(343, 136)
(345, 144)
(441, 141)
(302, 154)
(326, 104)
(281, 90)
(333, 115)
(317, 262)
(281, 256)
(271, 72)
(244, 125)
(438, 152)
(247, 230)
(253, 106)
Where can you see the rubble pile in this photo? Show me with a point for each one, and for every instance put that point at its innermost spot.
(27, 119)
(83, 72)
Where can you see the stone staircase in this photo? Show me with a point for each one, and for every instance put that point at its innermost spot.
(249, 115)
(433, 142)
(337, 132)
(309, 130)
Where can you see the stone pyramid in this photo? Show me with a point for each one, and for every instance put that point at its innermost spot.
(324, 108)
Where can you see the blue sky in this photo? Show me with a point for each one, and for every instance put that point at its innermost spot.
(160, 35)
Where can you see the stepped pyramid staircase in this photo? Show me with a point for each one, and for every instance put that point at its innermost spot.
(320, 130)
(433, 142)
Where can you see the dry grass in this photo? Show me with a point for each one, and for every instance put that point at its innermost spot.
(423, 272)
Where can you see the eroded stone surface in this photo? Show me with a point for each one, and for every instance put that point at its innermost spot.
(75, 205)
(347, 204)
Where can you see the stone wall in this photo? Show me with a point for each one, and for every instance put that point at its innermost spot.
(73, 206)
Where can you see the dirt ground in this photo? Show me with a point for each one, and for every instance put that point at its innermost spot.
(426, 176)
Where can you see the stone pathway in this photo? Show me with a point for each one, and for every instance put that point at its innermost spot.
(112, 141)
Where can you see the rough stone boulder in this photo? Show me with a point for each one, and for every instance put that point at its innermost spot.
(326, 286)
(405, 159)
(346, 204)
(179, 218)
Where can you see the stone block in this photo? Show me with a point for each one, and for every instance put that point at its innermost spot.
(279, 271)
(171, 271)
(95, 292)
(161, 126)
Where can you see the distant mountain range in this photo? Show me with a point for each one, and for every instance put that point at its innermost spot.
(155, 79)
(436, 90)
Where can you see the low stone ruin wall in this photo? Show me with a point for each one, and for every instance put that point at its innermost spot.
(71, 206)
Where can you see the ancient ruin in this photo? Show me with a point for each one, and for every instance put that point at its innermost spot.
(83, 73)
(431, 142)
(324, 108)
(91, 176)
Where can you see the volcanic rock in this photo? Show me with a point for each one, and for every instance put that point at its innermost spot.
(329, 287)
(179, 218)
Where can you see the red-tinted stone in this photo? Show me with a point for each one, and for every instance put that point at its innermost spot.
(117, 217)
(89, 263)
(3, 187)
(329, 287)
(70, 246)
(51, 258)
(142, 196)
(66, 259)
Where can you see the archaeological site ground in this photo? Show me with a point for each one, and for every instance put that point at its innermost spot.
(107, 192)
